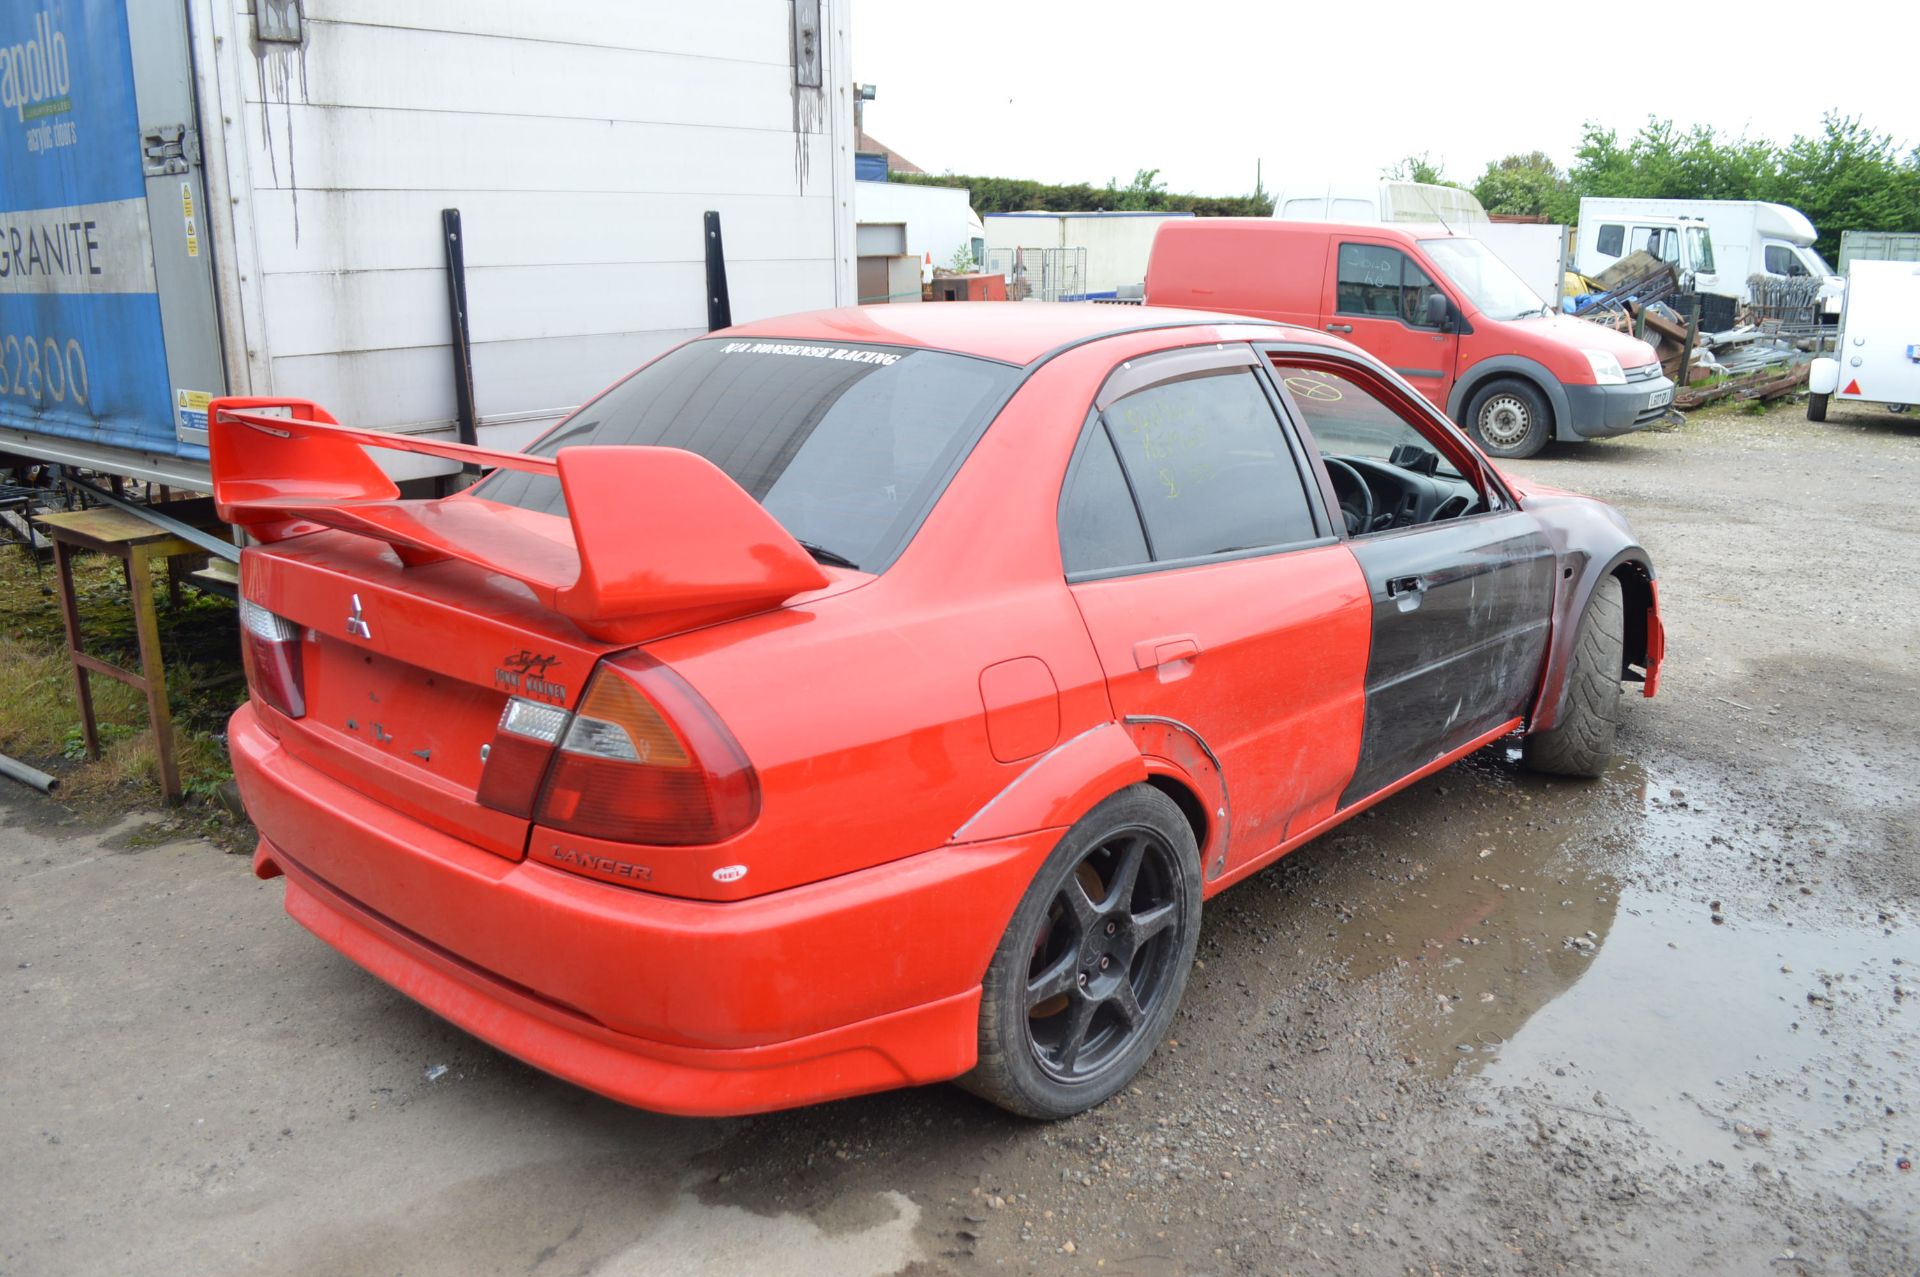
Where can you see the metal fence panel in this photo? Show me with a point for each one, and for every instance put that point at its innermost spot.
(1041, 274)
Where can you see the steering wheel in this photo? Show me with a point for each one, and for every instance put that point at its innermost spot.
(1357, 511)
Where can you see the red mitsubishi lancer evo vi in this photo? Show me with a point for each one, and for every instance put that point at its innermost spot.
(873, 697)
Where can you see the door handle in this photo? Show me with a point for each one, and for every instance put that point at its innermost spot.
(1399, 585)
(1339, 328)
(1148, 653)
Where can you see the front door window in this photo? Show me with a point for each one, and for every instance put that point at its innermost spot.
(1379, 282)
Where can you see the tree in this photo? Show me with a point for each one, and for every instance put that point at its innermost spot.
(1530, 185)
(1145, 193)
(1417, 168)
(1846, 177)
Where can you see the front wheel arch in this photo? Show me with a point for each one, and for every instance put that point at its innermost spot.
(1524, 389)
(1636, 590)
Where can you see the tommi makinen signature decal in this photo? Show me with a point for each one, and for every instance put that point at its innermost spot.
(81, 350)
(525, 673)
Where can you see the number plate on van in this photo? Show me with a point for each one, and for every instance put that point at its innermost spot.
(1660, 399)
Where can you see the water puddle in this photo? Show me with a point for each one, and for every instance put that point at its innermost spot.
(696, 1240)
(1651, 952)
(1751, 1043)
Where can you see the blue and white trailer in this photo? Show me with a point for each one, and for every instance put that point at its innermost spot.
(204, 197)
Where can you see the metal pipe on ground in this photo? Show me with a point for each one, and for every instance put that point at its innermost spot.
(14, 769)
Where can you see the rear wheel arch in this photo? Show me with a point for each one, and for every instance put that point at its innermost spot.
(1187, 799)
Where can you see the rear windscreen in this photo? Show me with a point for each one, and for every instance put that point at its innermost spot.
(847, 446)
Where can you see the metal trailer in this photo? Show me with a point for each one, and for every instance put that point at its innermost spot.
(1878, 356)
(438, 217)
(1878, 246)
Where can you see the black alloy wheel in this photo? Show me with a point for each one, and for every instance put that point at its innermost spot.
(1094, 962)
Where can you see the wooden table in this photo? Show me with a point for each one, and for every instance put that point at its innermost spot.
(136, 543)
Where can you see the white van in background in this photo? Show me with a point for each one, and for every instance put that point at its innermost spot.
(1369, 202)
(1719, 243)
(1537, 253)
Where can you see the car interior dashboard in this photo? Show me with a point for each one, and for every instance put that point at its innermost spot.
(1405, 490)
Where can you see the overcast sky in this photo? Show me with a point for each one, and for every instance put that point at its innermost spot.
(1200, 89)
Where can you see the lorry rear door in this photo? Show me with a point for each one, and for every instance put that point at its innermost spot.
(108, 331)
(1376, 296)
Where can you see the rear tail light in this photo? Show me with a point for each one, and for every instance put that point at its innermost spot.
(518, 757)
(644, 759)
(270, 651)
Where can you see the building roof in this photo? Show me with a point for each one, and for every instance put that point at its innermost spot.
(866, 143)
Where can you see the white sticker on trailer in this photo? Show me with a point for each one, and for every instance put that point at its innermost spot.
(80, 249)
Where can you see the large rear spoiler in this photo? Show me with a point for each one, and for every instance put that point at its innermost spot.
(655, 530)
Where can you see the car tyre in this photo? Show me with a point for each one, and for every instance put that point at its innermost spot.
(1508, 417)
(1581, 743)
(1816, 407)
(1094, 961)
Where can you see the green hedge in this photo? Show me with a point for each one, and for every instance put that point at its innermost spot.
(1017, 195)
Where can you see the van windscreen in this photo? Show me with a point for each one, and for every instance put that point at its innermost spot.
(1490, 283)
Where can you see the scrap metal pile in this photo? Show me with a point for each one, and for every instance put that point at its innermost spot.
(1765, 354)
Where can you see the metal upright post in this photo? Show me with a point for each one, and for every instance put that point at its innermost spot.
(466, 424)
(719, 304)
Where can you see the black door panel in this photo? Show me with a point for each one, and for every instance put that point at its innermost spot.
(1460, 612)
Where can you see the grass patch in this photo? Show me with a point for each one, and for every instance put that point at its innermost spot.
(40, 716)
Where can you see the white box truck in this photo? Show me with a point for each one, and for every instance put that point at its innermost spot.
(1878, 356)
(204, 197)
(1721, 244)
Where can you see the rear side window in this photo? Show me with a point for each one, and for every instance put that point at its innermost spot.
(1209, 466)
(1611, 239)
(1099, 523)
(847, 446)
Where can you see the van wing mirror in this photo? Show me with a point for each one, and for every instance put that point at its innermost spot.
(1439, 310)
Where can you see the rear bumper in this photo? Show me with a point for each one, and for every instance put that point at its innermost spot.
(1596, 412)
(857, 984)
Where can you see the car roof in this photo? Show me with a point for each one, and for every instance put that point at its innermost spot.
(1016, 332)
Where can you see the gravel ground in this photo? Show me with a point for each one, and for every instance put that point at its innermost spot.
(1661, 1022)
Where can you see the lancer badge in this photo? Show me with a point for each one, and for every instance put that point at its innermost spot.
(356, 624)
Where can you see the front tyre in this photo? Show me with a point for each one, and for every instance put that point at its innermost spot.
(1816, 407)
(1509, 418)
(1092, 966)
(1581, 743)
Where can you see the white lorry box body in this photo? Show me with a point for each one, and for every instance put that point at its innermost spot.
(1878, 358)
(1743, 238)
(261, 183)
(1536, 252)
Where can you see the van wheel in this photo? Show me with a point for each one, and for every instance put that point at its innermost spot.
(1509, 418)
(1816, 407)
(1093, 964)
